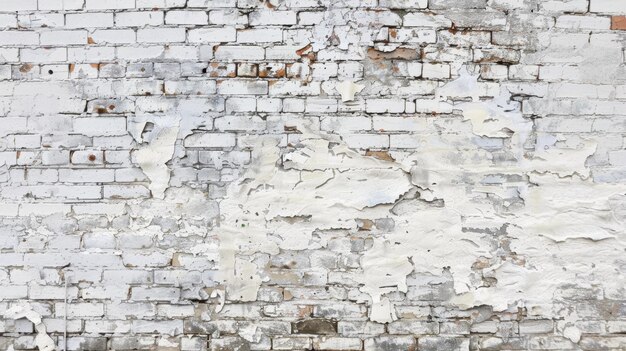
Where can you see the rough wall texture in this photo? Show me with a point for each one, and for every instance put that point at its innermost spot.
(312, 174)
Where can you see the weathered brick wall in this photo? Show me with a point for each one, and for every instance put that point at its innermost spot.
(312, 174)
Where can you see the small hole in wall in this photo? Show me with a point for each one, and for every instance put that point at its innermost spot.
(50, 71)
(204, 70)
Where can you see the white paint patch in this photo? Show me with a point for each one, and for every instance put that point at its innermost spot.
(43, 341)
(348, 90)
(152, 158)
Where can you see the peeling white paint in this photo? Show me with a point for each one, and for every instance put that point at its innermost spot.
(43, 341)
(348, 90)
(284, 199)
(153, 157)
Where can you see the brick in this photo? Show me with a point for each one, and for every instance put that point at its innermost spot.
(404, 4)
(139, 19)
(19, 5)
(89, 20)
(155, 294)
(385, 105)
(269, 18)
(113, 36)
(64, 37)
(283, 343)
(18, 38)
(367, 141)
(210, 140)
(336, 343)
(86, 175)
(44, 55)
(383, 343)
(8, 21)
(213, 35)
(453, 344)
(239, 53)
(161, 35)
(61, 4)
(608, 6)
(186, 17)
(436, 71)
(261, 35)
(618, 22)
(109, 4)
(100, 126)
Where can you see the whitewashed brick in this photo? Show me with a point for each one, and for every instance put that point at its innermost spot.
(8, 21)
(213, 35)
(283, 52)
(212, 140)
(18, 38)
(186, 17)
(64, 37)
(435, 71)
(239, 53)
(18, 5)
(139, 19)
(161, 35)
(44, 55)
(114, 36)
(242, 87)
(385, 105)
(61, 4)
(608, 6)
(268, 18)
(260, 35)
(109, 4)
(88, 20)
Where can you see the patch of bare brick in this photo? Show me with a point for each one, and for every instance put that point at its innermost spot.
(618, 22)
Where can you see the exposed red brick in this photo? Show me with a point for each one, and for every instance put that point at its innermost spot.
(618, 22)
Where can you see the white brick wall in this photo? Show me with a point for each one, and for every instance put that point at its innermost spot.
(138, 136)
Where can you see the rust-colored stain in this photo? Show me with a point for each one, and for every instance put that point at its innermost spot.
(26, 67)
(72, 66)
(270, 5)
(393, 33)
(381, 155)
(618, 22)
(397, 54)
(101, 110)
(95, 65)
(111, 107)
(90, 40)
(453, 29)
(304, 50)
(92, 157)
